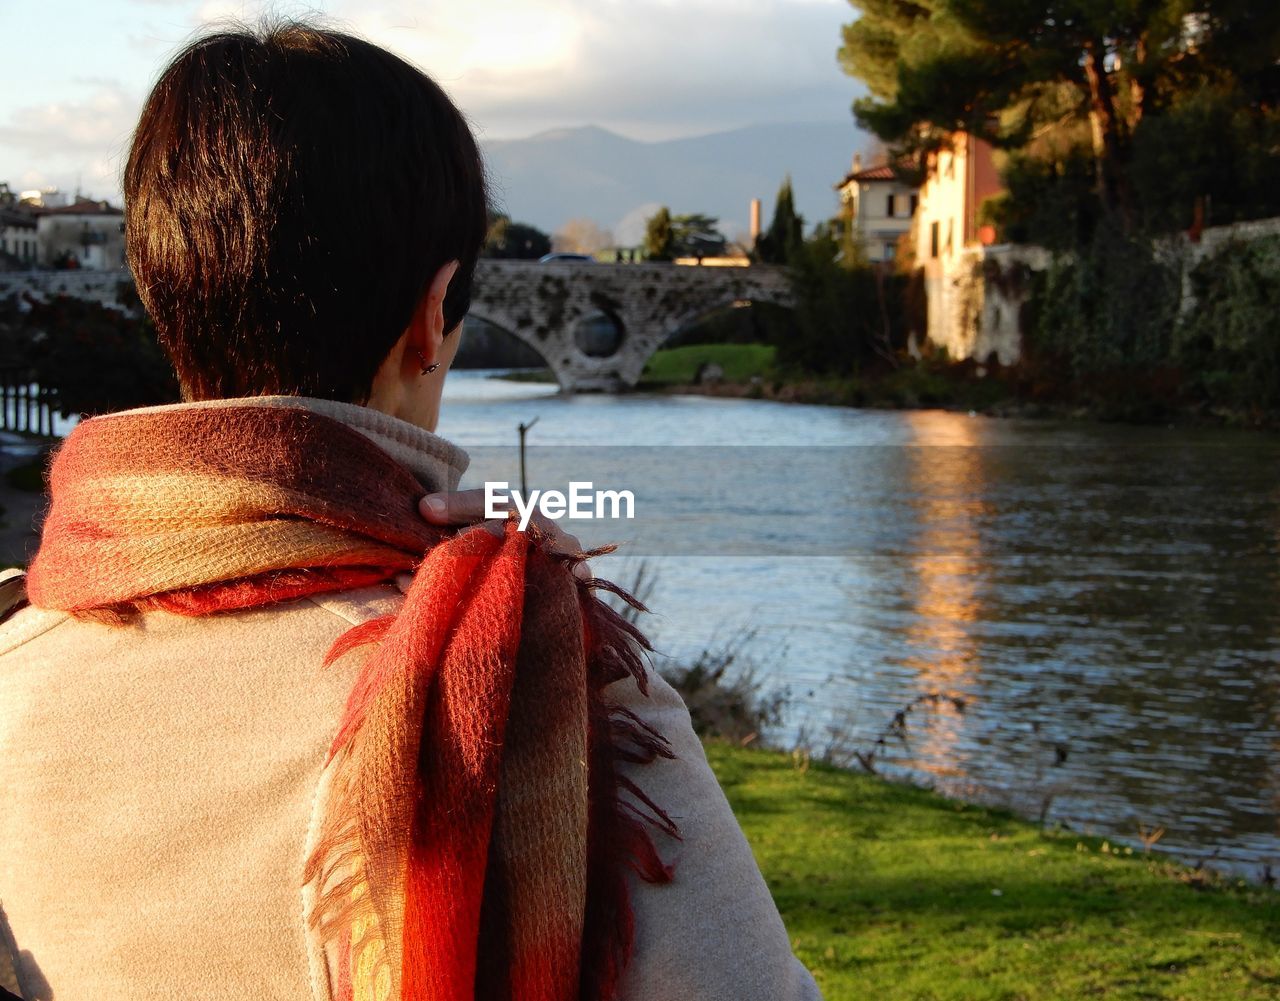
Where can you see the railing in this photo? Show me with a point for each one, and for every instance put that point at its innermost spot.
(25, 406)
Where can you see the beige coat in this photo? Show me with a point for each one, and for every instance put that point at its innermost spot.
(159, 784)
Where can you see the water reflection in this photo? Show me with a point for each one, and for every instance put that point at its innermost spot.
(1110, 609)
(945, 486)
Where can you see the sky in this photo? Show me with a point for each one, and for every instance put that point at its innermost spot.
(75, 72)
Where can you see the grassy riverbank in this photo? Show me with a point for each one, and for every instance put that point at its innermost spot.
(679, 366)
(893, 893)
(749, 370)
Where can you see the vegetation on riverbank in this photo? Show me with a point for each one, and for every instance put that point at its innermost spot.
(95, 359)
(1024, 390)
(893, 892)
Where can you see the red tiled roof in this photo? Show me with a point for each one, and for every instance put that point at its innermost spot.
(881, 173)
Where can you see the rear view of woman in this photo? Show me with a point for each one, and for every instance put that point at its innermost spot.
(264, 731)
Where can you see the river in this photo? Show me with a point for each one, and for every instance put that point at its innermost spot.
(1097, 605)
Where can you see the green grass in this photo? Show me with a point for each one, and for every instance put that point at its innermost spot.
(678, 366)
(888, 893)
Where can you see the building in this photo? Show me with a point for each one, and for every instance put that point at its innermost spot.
(950, 246)
(957, 181)
(19, 239)
(19, 243)
(880, 207)
(85, 234)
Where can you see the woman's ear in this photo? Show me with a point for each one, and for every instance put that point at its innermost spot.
(400, 375)
(427, 331)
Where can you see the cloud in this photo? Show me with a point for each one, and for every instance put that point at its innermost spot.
(93, 125)
(651, 68)
(69, 142)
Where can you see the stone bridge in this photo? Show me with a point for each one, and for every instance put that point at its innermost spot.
(596, 325)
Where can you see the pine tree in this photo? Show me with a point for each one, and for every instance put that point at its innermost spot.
(658, 239)
(779, 243)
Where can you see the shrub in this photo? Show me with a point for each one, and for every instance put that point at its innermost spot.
(1230, 339)
(1112, 305)
(847, 318)
(96, 359)
(724, 697)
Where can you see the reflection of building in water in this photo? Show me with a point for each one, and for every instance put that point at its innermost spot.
(947, 499)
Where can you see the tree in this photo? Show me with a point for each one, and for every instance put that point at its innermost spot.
(697, 235)
(778, 244)
(659, 242)
(1015, 71)
(581, 236)
(693, 234)
(515, 240)
(846, 318)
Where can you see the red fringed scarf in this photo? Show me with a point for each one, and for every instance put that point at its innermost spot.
(474, 838)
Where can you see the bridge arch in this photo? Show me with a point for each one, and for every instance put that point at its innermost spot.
(695, 316)
(547, 305)
(488, 342)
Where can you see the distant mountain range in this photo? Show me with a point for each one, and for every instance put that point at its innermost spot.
(592, 173)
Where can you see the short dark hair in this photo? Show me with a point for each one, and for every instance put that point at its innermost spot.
(289, 195)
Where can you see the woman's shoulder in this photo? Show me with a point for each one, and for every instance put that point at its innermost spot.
(713, 931)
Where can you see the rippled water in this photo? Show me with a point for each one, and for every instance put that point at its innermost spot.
(1103, 599)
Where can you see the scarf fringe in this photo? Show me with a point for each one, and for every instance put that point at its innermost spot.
(622, 820)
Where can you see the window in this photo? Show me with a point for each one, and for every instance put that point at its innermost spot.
(915, 202)
(933, 239)
(889, 250)
(888, 206)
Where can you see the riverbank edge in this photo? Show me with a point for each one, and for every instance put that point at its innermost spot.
(958, 387)
(857, 396)
(894, 891)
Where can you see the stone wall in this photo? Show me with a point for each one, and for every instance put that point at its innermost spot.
(976, 300)
(975, 304)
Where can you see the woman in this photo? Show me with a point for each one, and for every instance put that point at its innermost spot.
(484, 793)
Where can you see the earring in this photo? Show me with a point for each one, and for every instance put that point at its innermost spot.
(422, 360)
